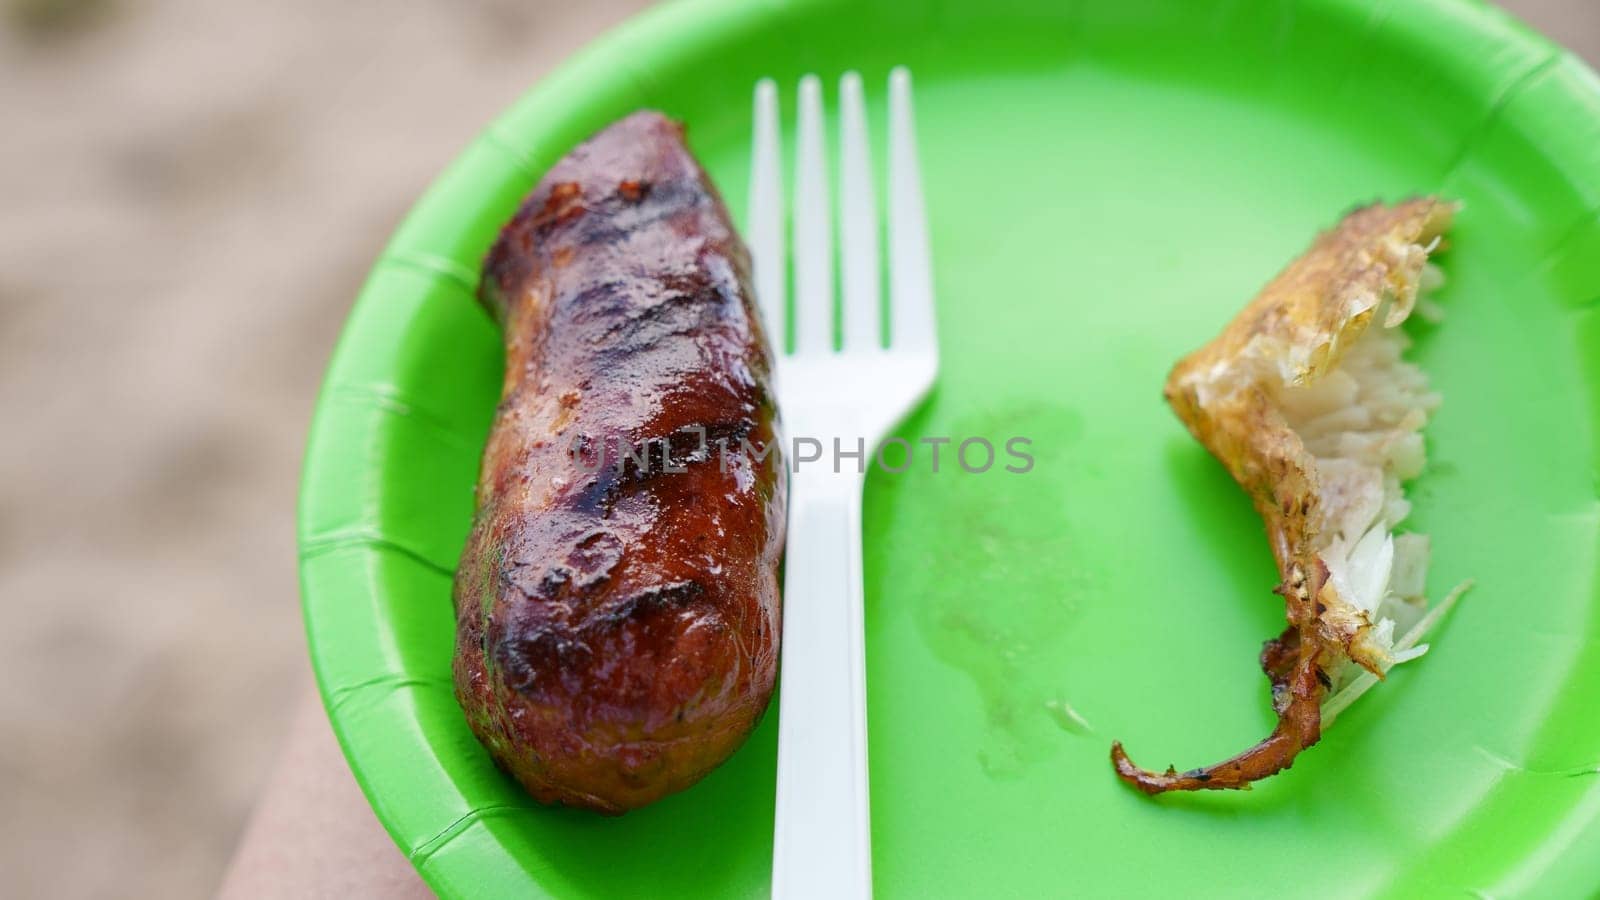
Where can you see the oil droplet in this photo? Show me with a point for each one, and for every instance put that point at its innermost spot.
(997, 577)
(1067, 718)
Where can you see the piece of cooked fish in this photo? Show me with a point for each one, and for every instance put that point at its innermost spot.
(1307, 401)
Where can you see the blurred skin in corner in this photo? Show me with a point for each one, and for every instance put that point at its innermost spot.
(313, 835)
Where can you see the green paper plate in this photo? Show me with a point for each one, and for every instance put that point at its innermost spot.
(1108, 182)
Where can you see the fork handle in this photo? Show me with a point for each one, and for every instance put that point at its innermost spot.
(822, 842)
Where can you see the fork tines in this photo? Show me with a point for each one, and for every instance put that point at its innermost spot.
(911, 325)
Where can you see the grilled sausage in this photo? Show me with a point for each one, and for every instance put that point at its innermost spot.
(617, 602)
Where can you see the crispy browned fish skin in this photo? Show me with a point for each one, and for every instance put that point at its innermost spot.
(1321, 303)
(617, 631)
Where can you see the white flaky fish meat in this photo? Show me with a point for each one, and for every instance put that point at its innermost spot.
(1307, 400)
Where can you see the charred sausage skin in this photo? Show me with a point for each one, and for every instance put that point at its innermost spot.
(617, 609)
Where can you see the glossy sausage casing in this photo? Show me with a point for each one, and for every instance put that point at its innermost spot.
(617, 602)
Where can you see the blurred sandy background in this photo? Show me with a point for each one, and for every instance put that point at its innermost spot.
(190, 194)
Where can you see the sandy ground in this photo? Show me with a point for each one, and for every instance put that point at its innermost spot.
(190, 194)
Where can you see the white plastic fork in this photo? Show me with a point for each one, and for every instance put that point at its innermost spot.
(838, 402)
